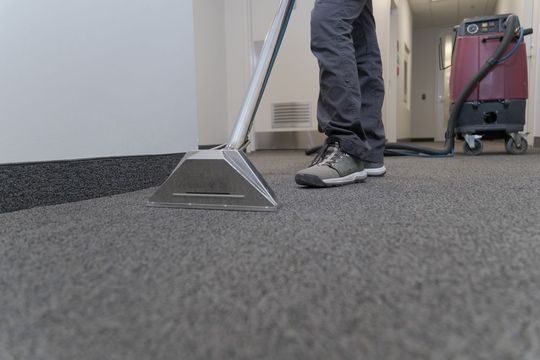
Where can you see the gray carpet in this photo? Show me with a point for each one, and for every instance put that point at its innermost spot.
(439, 260)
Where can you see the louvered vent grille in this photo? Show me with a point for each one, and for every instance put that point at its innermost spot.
(291, 115)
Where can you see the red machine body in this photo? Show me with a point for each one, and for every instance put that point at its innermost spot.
(507, 81)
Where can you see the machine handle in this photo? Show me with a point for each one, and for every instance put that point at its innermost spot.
(527, 32)
(267, 58)
(493, 37)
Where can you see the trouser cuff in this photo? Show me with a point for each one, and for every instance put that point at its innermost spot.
(357, 149)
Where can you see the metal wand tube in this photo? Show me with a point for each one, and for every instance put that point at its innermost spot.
(260, 78)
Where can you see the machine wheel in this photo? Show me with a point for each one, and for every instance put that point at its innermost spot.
(514, 149)
(478, 148)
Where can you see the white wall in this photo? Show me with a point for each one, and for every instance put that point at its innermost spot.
(381, 11)
(248, 21)
(529, 14)
(210, 55)
(511, 6)
(238, 60)
(96, 78)
(295, 77)
(405, 38)
(534, 106)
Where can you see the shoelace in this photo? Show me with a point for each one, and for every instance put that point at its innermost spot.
(324, 157)
(320, 155)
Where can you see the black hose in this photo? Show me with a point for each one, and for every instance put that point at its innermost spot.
(512, 25)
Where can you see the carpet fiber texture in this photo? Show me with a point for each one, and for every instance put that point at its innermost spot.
(438, 260)
(27, 185)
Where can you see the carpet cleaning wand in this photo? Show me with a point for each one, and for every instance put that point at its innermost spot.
(223, 178)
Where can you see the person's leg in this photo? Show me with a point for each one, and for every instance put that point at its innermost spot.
(340, 99)
(369, 63)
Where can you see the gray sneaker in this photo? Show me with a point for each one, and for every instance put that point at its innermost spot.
(375, 169)
(332, 167)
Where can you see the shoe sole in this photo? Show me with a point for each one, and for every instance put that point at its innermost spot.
(376, 172)
(315, 181)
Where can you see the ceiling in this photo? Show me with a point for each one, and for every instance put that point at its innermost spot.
(441, 13)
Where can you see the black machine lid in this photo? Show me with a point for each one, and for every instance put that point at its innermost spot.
(482, 25)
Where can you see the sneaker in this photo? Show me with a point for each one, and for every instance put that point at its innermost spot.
(375, 169)
(332, 167)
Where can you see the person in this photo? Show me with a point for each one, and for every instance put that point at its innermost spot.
(349, 110)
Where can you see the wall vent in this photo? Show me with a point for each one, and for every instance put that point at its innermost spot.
(291, 115)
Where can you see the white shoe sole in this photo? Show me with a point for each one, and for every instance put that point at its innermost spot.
(376, 171)
(349, 179)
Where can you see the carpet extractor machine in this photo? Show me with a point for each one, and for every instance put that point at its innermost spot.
(489, 88)
(223, 178)
(496, 108)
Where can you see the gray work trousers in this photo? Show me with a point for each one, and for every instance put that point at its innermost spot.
(344, 41)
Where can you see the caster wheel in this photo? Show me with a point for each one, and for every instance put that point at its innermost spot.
(517, 149)
(478, 148)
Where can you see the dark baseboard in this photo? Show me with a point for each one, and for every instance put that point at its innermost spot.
(416, 140)
(207, 147)
(27, 185)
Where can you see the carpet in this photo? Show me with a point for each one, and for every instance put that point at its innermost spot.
(438, 260)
